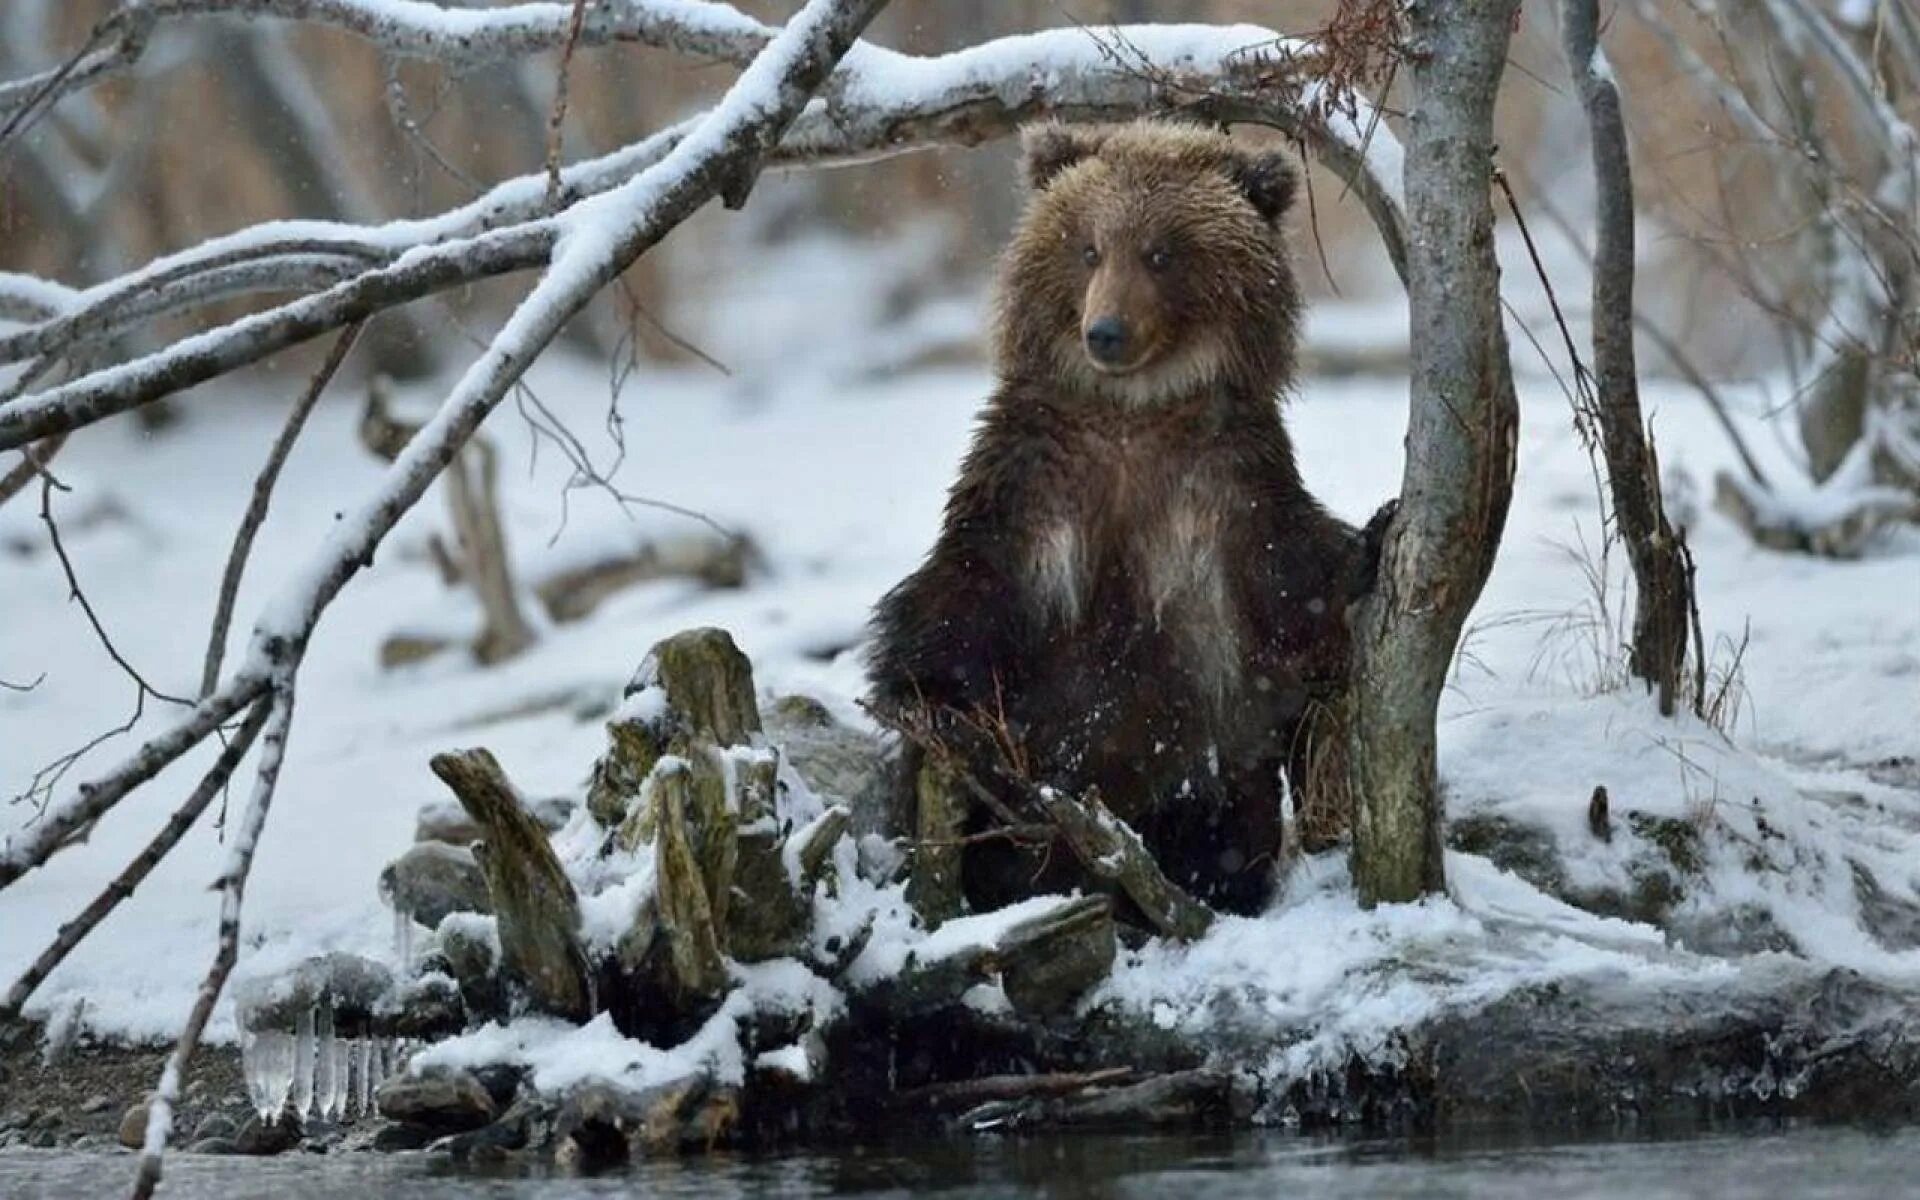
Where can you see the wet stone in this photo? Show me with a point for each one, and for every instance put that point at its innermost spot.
(432, 880)
(213, 1145)
(445, 1101)
(215, 1125)
(133, 1124)
(264, 1138)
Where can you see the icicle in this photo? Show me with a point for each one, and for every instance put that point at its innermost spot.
(326, 1087)
(403, 941)
(342, 1066)
(303, 1064)
(266, 1058)
(359, 1046)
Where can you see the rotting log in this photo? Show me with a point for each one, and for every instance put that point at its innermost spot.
(1204, 1096)
(705, 702)
(708, 683)
(534, 904)
(934, 886)
(695, 971)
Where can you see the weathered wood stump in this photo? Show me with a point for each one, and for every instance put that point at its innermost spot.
(533, 900)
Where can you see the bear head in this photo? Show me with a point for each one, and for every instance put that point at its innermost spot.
(1150, 264)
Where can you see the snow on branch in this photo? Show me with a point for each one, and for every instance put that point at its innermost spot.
(587, 247)
(459, 38)
(879, 103)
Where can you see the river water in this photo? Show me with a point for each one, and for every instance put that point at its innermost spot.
(1801, 1164)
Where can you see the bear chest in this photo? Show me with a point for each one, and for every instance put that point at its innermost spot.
(1140, 572)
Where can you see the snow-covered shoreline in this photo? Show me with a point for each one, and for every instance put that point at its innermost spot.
(839, 483)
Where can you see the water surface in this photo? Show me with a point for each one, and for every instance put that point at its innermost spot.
(1801, 1164)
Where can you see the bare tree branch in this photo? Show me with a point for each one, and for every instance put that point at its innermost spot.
(1662, 602)
(123, 885)
(33, 462)
(262, 496)
(882, 104)
(233, 886)
(601, 240)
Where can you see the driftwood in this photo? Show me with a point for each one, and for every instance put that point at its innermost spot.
(964, 1094)
(474, 504)
(533, 901)
(717, 560)
(1112, 851)
(1202, 1096)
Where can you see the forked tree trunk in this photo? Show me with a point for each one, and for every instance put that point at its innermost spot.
(1663, 591)
(1460, 449)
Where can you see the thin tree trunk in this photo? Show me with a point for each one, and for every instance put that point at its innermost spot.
(1460, 449)
(1662, 597)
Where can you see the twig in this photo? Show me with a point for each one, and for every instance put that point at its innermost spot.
(122, 886)
(232, 885)
(256, 513)
(57, 827)
(556, 119)
(75, 592)
(967, 1093)
(33, 463)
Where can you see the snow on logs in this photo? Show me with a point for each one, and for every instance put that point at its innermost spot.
(710, 920)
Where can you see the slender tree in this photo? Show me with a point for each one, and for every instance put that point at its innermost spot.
(1460, 448)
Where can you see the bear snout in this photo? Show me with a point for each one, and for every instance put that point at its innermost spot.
(1107, 340)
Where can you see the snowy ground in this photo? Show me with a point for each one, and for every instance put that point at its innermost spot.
(840, 481)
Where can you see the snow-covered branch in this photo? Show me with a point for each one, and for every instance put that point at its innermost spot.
(456, 37)
(880, 103)
(588, 246)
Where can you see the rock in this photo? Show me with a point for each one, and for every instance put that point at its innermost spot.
(445, 1101)
(433, 880)
(1890, 920)
(502, 1082)
(96, 1103)
(427, 1007)
(264, 1138)
(471, 946)
(215, 1125)
(393, 1138)
(352, 986)
(213, 1145)
(133, 1124)
(445, 821)
(836, 761)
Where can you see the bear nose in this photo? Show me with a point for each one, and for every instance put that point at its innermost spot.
(1106, 338)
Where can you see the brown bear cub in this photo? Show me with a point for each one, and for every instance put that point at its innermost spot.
(1131, 579)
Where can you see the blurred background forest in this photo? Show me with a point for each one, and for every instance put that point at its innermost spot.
(224, 123)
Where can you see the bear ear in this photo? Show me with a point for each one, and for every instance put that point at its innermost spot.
(1268, 181)
(1052, 148)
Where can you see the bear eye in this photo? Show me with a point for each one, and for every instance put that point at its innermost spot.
(1090, 256)
(1158, 259)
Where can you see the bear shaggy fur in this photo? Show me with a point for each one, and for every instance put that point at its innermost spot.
(1132, 584)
